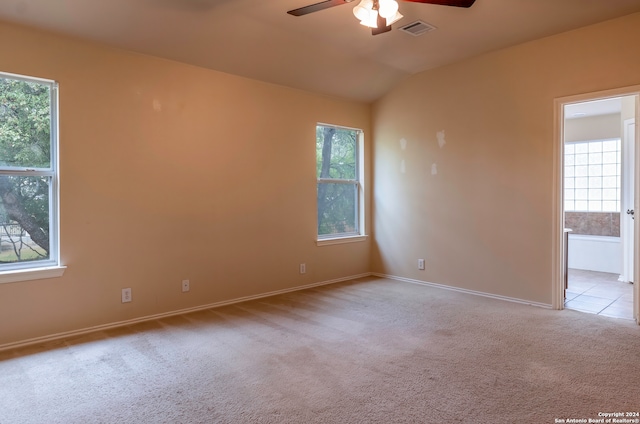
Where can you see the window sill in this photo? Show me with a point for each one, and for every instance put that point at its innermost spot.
(16, 275)
(340, 240)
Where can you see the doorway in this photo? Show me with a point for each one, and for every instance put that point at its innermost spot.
(594, 263)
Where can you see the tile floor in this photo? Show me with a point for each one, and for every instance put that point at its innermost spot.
(599, 293)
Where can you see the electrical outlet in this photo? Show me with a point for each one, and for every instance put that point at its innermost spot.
(420, 263)
(126, 295)
(185, 286)
(303, 268)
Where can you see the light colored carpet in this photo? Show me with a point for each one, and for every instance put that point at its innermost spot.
(367, 351)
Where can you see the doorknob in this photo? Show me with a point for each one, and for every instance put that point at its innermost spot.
(632, 213)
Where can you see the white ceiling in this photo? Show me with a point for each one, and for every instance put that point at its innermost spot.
(593, 108)
(325, 52)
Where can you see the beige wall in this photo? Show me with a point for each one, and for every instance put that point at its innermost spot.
(592, 128)
(169, 172)
(484, 221)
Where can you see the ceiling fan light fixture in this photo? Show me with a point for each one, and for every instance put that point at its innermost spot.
(388, 8)
(367, 12)
(363, 9)
(395, 18)
(371, 20)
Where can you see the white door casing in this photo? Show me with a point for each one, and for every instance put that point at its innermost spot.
(627, 220)
(557, 272)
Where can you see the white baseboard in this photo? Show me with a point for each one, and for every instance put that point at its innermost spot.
(461, 290)
(74, 333)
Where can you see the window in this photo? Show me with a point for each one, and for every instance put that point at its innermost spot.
(339, 182)
(592, 176)
(28, 174)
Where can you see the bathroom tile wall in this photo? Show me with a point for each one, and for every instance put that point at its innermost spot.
(593, 223)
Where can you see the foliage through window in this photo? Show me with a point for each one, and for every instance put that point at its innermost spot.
(28, 167)
(592, 176)
(337, 170)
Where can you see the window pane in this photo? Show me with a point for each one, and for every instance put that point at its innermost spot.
(568, 194)
(595, 146)
(595, 194)
(582, 182)
(569, 160)
(582, 194)
(609, 157)
(582, 171)
(595, 170)
(582, 159)
(336, 153)
(24, 222)
(595, 158)
(581, 205)
(610, 145)
(608, 206)
(337, 208)
(569, 182)
(582, 148)
(609, 170)
(595, 206)
(25, 124)
(595, 182)
(610, 182)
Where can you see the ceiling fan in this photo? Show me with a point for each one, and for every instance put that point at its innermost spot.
(376, 14)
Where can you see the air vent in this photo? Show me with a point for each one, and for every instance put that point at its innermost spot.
(417, 28)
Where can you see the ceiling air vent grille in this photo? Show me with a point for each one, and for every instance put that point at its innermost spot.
(417, 28)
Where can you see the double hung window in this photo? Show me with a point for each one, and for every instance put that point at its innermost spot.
(338, 170)
(28, 173)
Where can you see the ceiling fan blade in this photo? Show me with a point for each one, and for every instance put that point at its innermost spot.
(317, 7)
(457, 3)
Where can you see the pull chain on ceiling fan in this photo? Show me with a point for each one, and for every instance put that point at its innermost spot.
(379, 15)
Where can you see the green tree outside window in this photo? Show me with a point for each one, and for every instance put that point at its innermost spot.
(25, 170)
(338, 185)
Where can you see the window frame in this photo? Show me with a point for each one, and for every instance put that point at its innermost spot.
(51, 267)
(359, 234)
